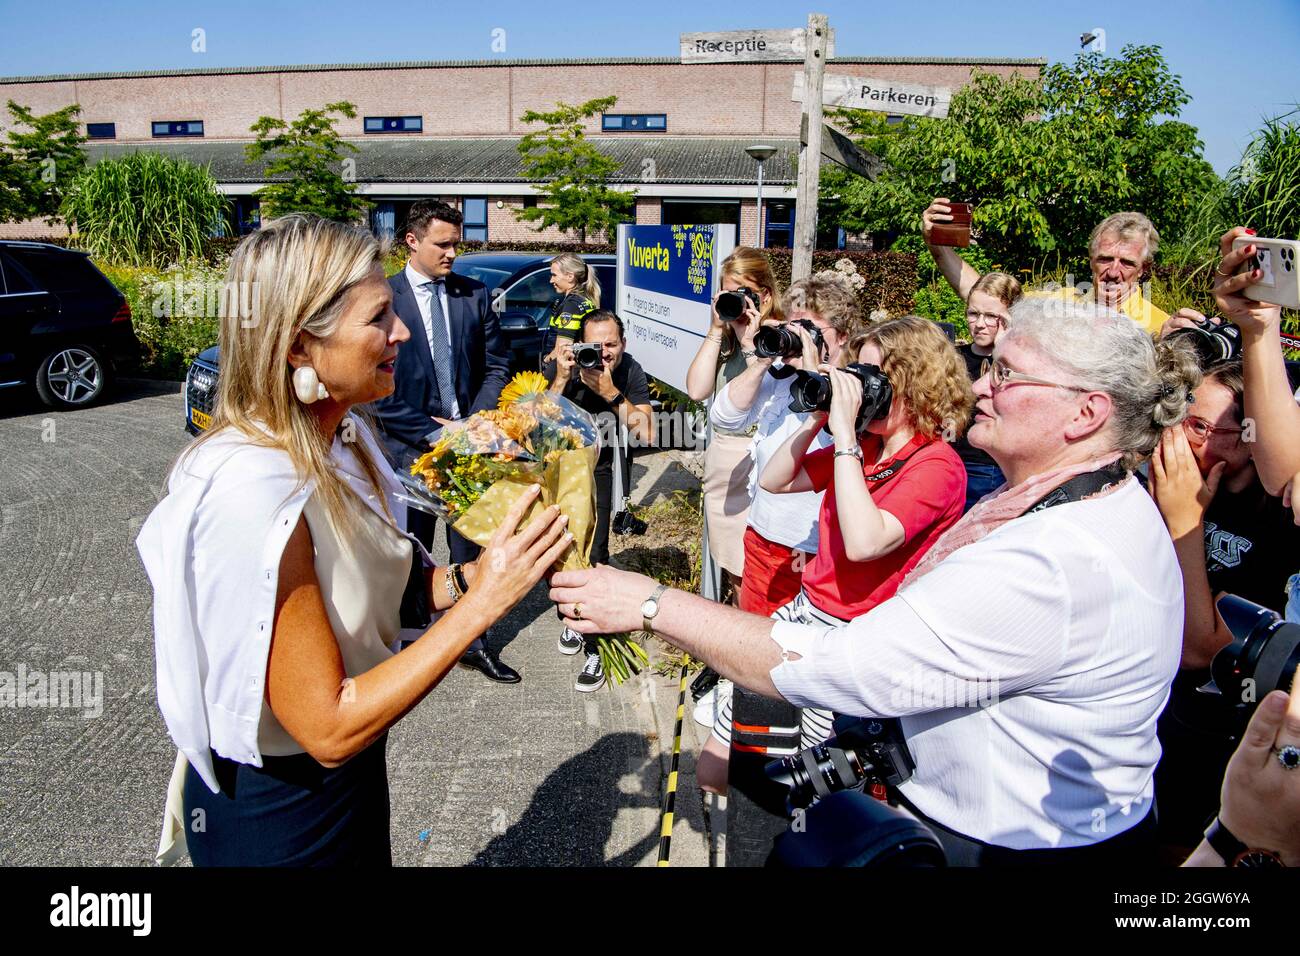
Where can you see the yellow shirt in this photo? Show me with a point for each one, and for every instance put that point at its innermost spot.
(1140, 310)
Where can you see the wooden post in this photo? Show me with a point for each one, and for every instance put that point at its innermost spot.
(810, 154)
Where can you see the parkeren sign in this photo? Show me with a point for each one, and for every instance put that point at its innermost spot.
(885, 96)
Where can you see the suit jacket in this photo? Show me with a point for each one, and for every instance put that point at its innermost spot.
(480, 365)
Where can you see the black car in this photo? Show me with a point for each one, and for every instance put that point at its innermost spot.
(64, 328)
(520, 286)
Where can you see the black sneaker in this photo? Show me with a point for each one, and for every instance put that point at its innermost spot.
(570, 641)
(592, 676)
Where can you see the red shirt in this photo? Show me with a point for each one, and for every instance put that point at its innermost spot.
(926, 495)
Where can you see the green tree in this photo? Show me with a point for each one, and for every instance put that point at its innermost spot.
(144, 209)
(309, 152)
(1043, 160)
(572, 174)
(38, 163)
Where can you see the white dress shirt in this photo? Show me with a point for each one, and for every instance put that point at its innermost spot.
(212, 549)
(789, 519)
(1028, 668)
(423, 298)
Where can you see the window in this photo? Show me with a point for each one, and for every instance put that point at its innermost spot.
(779, 232)
(394, 124)
(634, 122)
(530, 202)
(474, 209)
(101, 130)
(182, 128)
(534, 295)
(678, 212)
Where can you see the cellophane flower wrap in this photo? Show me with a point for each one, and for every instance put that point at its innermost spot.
(478, 467)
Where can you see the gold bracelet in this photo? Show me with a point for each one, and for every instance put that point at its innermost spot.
(449, 582)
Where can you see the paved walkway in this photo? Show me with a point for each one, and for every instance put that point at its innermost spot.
(534, 774)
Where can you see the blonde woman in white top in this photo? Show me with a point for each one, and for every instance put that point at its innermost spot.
(279, 568)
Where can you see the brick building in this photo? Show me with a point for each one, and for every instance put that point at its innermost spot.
(450, 128)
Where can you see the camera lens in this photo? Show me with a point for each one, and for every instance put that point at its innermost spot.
(1262, 656)
(731, 305)
(776, 341)
(810, 392)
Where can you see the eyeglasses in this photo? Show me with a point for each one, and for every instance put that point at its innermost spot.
(1201, 430)
(1001, 376)
(985, 318)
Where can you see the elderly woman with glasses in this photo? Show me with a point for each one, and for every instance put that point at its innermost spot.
(1030, 652)
(1232, 537)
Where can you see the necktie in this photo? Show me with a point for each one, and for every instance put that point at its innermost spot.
(440, 348)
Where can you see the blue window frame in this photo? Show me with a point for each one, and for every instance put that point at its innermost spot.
(101, 130)
(634, 122)
(394, 124)
(175, 128)
(779, 230)
(475, 226)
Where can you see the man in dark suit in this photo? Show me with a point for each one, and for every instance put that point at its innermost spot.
(454, 365)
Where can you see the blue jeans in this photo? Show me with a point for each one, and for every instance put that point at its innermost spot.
(1293, 599)
(980, 480)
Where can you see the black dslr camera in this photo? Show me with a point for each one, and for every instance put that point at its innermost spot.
(589, 354)
(811, 391)
(731, 305)
(1213, 343)
(781, 341)
(861, 748)
(1262, 657)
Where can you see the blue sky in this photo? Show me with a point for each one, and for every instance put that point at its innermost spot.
(1237, 60)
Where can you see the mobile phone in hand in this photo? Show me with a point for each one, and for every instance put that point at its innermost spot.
(1279, 261)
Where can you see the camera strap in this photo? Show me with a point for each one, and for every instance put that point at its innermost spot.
(895, 466)
(1080, 487)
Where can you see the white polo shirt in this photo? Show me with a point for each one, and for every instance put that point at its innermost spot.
(1029, 669)
(789, 519)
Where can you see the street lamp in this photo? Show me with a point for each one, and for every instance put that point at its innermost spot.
(761, 153)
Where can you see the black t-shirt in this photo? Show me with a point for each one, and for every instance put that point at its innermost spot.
(629, 378)
(1252, 546)
(975, 369)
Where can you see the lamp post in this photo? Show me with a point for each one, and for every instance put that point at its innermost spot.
(761, 153)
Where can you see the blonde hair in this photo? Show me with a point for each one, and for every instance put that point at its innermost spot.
(293, 276)
(573, 264)
(750, 265)
(1128, 226)
(924, 368)
(1005, 288)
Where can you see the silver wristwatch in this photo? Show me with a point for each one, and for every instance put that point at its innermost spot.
(650, 607)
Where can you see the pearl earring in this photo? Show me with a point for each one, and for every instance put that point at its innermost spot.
(308, 386)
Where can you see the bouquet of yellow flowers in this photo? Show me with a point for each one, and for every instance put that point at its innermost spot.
(477, 468)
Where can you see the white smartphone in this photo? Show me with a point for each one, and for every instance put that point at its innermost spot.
(1279, 261)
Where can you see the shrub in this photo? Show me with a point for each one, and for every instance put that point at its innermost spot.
(144, 209)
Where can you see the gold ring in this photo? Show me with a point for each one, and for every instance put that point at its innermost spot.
(577, 610)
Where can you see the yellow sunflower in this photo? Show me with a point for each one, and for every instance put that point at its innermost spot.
(524, 385)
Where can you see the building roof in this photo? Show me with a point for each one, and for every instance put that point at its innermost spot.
(676, 159)
(460, 64)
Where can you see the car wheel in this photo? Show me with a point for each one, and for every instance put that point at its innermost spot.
(71, 377)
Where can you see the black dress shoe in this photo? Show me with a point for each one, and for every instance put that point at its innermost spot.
(491, 666)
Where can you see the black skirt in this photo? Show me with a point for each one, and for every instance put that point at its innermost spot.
(291, 811)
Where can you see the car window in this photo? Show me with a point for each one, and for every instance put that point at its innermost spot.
(533, 294)
(57, 271)
(492, 278)
(13, 279)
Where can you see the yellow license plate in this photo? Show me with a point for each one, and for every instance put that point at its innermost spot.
(200, 419)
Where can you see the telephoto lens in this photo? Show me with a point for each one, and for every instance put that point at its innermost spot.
(1262, 656)
(811, 391)
(1213, 343)
(861, 748)
(782, 341)
(588, 355)
(731, 305)
(850, 828)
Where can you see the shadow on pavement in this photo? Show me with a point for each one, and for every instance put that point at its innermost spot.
(572, 813)
(22, 400)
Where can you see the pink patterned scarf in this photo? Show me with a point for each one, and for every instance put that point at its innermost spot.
(1003, 505)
